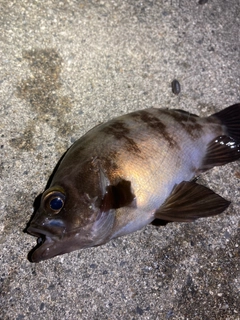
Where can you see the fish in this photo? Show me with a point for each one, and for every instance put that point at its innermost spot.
(134, 170)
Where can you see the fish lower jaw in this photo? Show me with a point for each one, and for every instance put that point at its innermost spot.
(46, 243)
(44, 250)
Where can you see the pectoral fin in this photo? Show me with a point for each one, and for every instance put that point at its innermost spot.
(188, 202)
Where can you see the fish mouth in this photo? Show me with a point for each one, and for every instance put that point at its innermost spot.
(55, 242)
(47, 245)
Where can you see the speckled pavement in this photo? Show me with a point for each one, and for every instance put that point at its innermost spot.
(65, 67)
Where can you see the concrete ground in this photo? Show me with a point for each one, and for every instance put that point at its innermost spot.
(67, 66)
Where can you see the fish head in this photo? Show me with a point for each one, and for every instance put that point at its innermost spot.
(68, 220)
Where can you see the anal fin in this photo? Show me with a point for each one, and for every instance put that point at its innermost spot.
(190, 201)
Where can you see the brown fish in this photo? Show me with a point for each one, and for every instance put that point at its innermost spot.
(136, 169)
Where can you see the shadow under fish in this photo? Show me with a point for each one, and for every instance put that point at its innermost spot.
(136, 169)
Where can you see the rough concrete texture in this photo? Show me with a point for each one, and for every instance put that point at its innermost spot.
(67, 66)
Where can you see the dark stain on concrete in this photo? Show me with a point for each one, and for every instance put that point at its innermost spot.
(40, 91)
(24, 141)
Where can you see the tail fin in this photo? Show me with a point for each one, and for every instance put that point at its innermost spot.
(230, 117)
(225, 148)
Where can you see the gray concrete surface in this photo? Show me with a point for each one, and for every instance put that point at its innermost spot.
(69, 65)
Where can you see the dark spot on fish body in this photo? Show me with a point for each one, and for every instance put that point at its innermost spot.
(120, 131)
(194, 129)
(177, 115)
(188, 121)
(156, 124)
(132, 145)
(117, 196)
(117, 129)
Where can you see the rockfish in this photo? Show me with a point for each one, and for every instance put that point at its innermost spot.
(136, 169)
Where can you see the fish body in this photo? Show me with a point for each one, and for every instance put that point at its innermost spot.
(136, 169)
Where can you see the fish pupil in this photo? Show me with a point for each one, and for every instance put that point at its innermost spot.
(56, 203)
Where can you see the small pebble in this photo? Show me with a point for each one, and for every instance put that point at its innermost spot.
(176, 88)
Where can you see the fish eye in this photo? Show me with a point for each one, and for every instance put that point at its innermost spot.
(54, 201)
